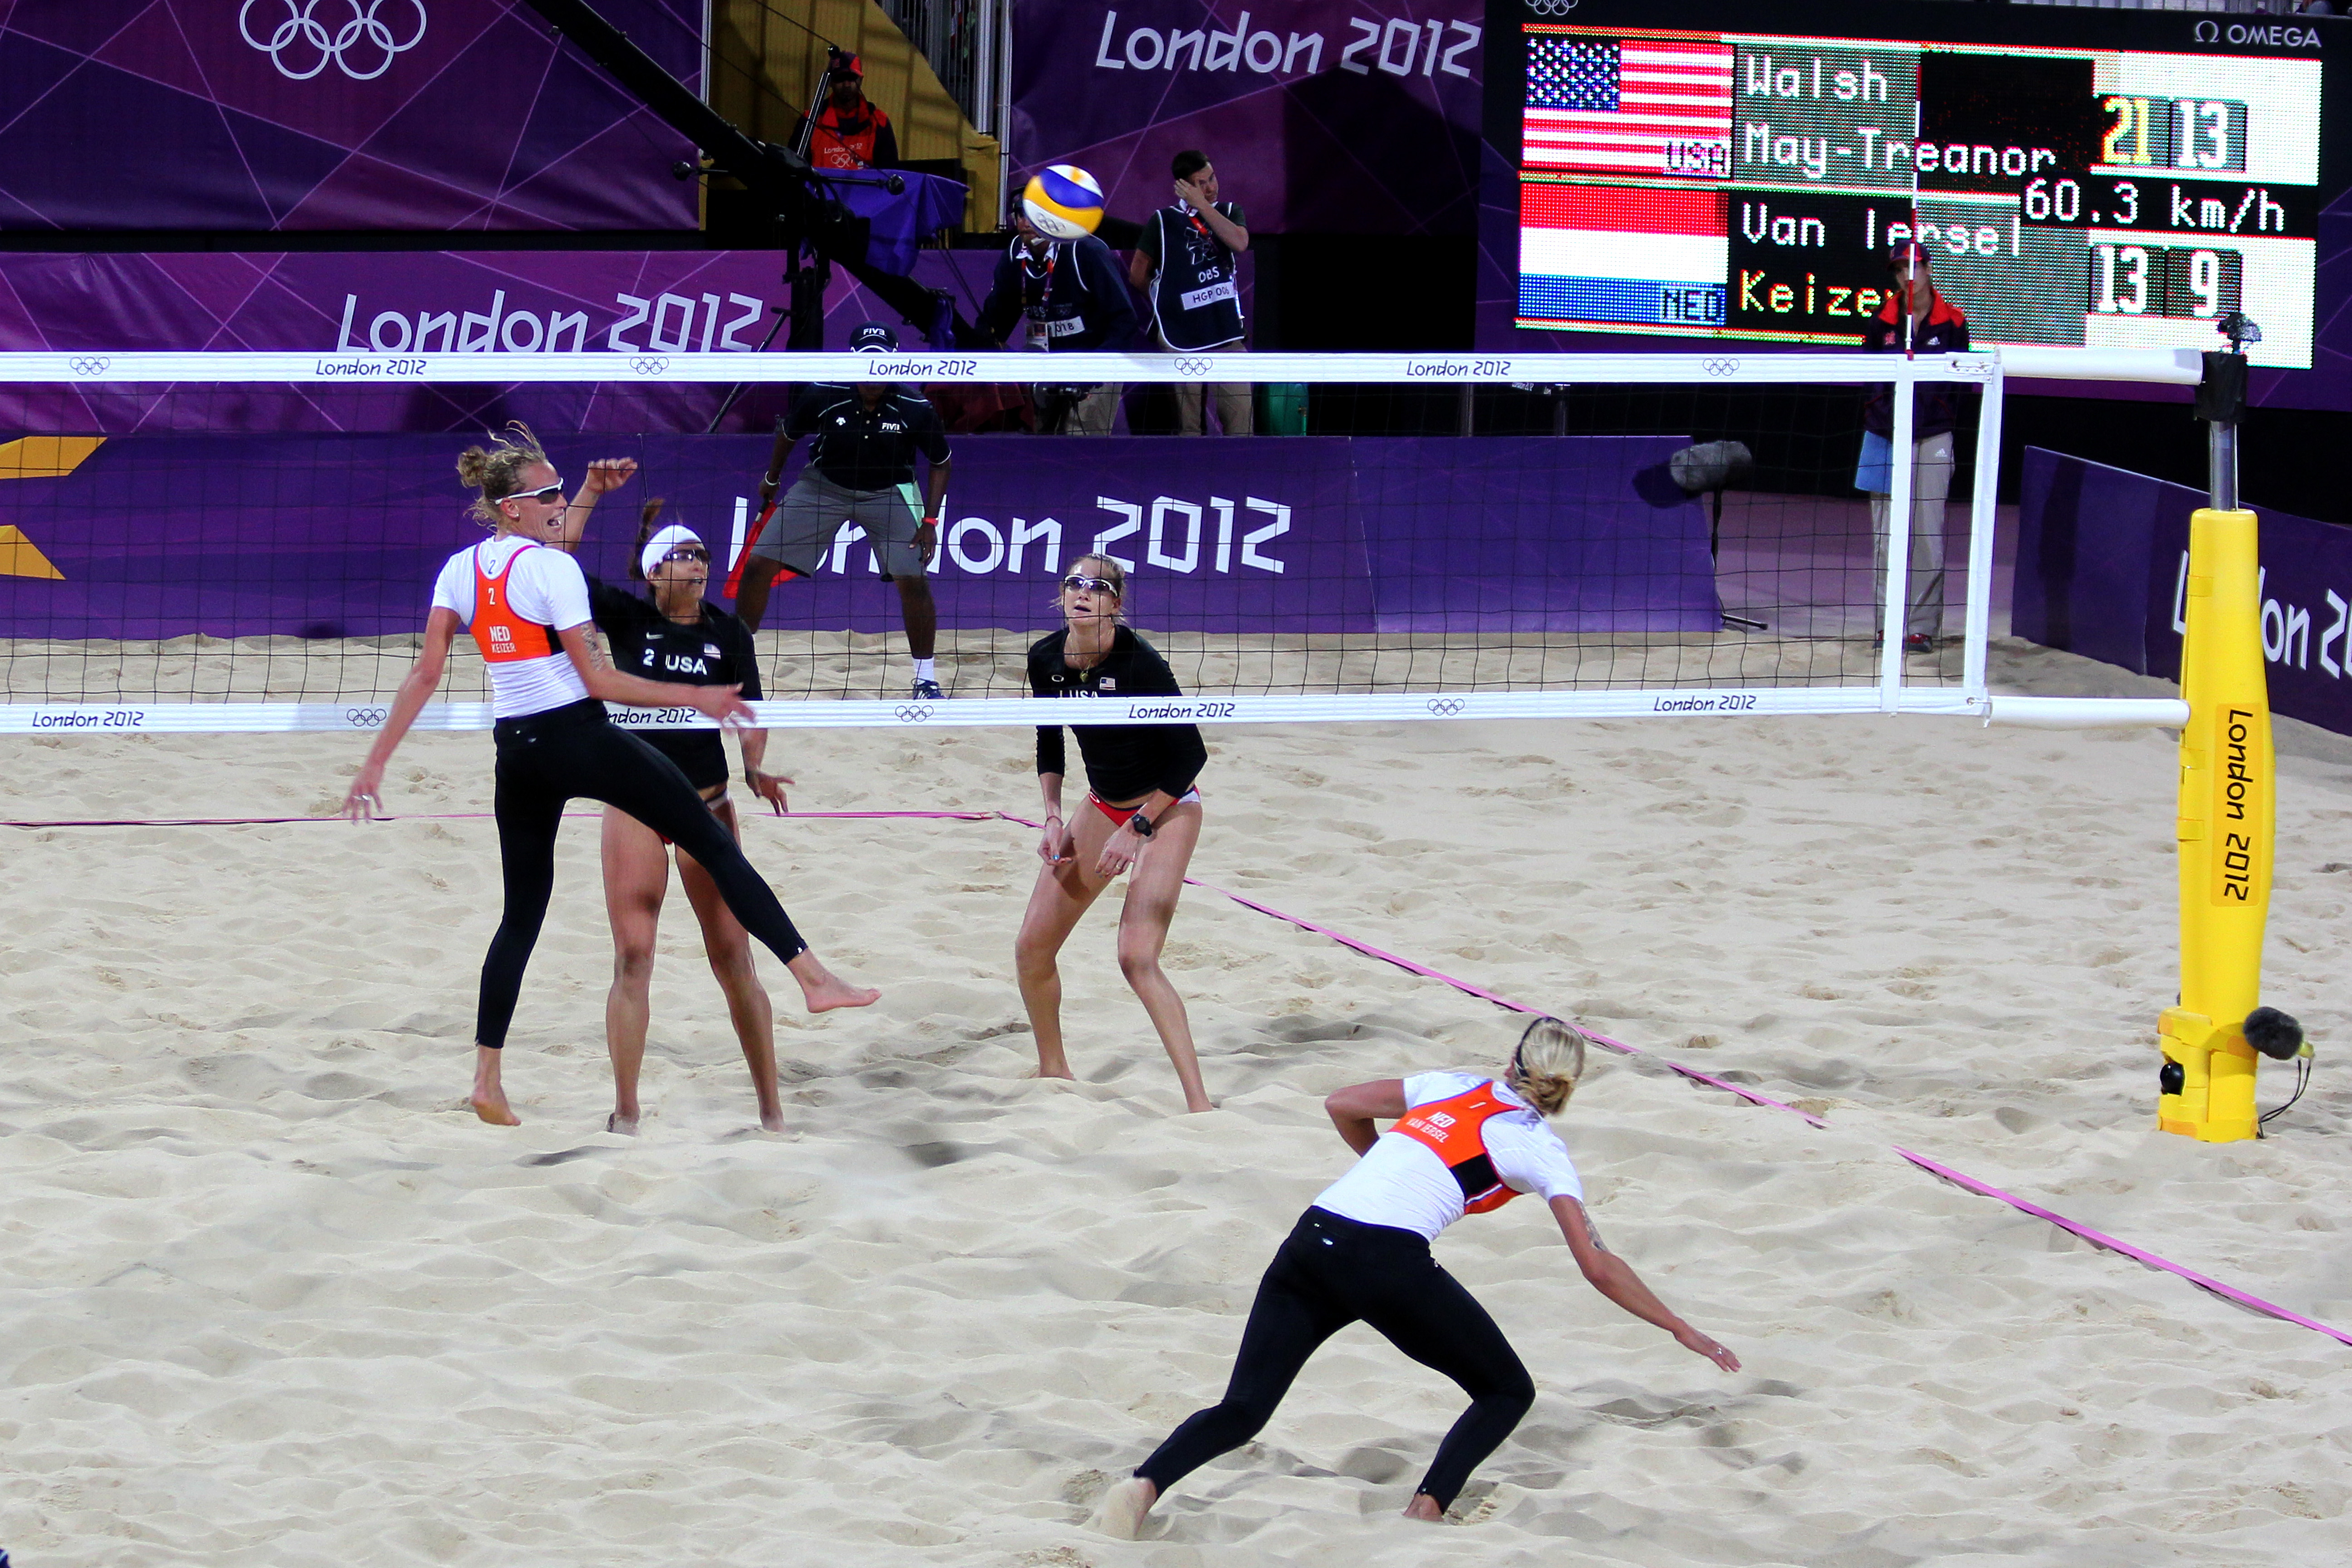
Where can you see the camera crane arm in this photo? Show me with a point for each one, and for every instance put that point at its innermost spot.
(789, 181)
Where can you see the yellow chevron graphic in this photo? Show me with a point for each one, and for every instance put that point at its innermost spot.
(20, 557)
(37, 457)
(46, 456)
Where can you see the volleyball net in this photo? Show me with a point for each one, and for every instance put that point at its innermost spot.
(183, 547)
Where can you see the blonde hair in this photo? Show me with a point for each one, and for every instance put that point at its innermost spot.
(495, 472)
(1546, 1064)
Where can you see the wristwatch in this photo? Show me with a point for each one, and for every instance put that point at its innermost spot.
(1141, 823)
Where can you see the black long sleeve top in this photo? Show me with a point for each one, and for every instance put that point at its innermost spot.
(1124, 761)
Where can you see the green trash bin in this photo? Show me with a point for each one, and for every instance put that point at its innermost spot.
(1282, 408)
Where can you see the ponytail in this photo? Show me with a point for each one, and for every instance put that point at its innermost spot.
(1546, 1064)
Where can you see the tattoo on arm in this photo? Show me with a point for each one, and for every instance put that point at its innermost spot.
(1592, 1235)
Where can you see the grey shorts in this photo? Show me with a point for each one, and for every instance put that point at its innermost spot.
(811, 515)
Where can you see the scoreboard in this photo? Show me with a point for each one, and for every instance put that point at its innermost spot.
(2075, 176)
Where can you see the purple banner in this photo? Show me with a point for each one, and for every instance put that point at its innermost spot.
(480, 301)
(2102, 571)
(340, 535)
(311, 114)
(1321, 116)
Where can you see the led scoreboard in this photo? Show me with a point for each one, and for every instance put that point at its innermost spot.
(1723, 182)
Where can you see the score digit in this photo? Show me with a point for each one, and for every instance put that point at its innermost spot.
(2121, 283)
(2126, 141)
(2205, 282)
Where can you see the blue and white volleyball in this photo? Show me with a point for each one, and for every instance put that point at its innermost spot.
(1063, 202)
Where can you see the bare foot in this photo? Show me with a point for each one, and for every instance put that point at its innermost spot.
(1424, 1508)
(824, 989)
(1123, 1506)
(626, 1126)
(489, 1097)
(1191, 1109)
(1061, 1071)
(772, 1122)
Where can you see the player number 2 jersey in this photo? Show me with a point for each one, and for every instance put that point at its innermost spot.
(514, 595)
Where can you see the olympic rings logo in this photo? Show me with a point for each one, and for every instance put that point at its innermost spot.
(303, 32)
(913, 712)
(1722, 367)
(89, 365)
(1550, 7)
(1195, 366)
(1446, 706)
(366, 718)
(649, 365)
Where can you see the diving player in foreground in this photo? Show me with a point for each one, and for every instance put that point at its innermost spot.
(1461, 1144)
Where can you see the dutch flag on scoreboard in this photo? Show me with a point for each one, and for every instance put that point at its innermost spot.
(1604, 253)
(1632, 108)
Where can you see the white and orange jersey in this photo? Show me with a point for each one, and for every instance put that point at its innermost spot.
(1466, 1145)
(514, 595)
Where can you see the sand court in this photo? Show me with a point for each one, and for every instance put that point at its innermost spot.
(273, 1295)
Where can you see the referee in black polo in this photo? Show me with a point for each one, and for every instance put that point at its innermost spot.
(861, 469)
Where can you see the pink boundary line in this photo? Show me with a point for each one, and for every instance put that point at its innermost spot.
(1936, 1168)
(458, 816)
(2097, 1238)
(1933, 1167)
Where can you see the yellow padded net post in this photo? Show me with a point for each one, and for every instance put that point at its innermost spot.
(2226, 817)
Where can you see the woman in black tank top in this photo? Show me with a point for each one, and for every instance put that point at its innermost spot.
(672, 635)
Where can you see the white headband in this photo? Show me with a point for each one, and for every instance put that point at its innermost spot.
(662, 544)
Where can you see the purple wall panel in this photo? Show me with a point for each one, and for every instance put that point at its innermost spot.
(2102, 556)
(305, 114)
(325, 300)
(325, 535)
(1324, 116)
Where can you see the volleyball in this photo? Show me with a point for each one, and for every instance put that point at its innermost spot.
(1063, 202)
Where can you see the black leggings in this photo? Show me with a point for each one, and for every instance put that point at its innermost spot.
(1330, 1272)
(545, 761)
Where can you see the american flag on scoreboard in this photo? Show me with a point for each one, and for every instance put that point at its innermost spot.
(1629, 107)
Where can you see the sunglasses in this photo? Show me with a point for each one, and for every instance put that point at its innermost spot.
(686, 552)
(554, 493)
(1091, 585)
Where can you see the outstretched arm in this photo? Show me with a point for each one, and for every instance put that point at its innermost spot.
(362, 801)
(607, 684)
(604, 474)
(1614, 1277)
(1354, 1108)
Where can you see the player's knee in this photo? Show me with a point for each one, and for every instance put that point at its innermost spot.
(1511, 1392)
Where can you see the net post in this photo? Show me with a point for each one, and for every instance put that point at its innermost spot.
(1983, 514)
(2227, 819)
(1893, 604)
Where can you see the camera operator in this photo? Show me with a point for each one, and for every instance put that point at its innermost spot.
(1074, 299)
(1188, 269)
(851, 132)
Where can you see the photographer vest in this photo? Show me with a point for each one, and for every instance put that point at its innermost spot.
(1196, 297)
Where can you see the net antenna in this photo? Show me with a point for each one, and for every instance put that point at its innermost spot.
(225, 580)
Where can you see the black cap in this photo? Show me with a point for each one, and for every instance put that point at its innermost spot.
(874, 338)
